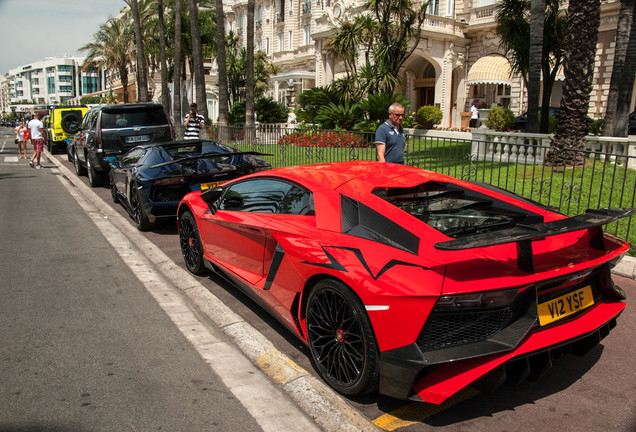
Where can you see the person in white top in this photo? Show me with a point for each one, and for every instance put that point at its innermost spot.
(19, 136)
(474, 114)
(37, 139)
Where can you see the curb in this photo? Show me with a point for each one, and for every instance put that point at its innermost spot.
(626, 268)
(329, 410)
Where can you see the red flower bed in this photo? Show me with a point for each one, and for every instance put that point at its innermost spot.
(309, 138)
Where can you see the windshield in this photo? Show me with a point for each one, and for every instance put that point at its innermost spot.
(455, 211)
(130, 117)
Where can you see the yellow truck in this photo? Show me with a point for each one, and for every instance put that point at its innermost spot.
(62, 123)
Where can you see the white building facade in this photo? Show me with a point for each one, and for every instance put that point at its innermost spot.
(53, 81)
(457, 60)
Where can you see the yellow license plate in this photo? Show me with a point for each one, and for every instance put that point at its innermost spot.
(206, 186)
(565, 305)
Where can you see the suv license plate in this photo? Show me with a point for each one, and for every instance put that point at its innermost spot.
(565, 305)
(137, 138)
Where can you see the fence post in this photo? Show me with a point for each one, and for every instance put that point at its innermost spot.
(631, 143)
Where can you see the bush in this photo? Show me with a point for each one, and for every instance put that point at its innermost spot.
(310, 138)
(428, 115)
(596, 126)
(500, 119)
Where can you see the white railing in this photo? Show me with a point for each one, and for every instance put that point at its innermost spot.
(526, 148)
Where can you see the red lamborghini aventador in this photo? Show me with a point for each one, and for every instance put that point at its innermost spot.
(407, 281)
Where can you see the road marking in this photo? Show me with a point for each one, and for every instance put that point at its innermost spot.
(417, 412)
(258, 389)
(13, 159)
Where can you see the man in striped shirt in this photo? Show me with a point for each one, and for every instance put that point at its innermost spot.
(193, 123)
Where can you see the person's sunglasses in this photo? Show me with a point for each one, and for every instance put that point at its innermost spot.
(398, 115)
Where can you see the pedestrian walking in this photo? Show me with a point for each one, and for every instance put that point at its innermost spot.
(474, 114)
(19, 136)
(37, 139)
(389, 137)
(193, 123)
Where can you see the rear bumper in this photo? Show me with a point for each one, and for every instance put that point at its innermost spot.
(406, 372)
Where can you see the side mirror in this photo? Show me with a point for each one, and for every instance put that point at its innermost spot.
(211, 196)
(113, 161)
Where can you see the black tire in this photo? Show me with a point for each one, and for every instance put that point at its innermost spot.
(79, 168)
(113, 189)
(139, 214)
(71, 121)
(95, 178)
(341, 339)
(191, 246)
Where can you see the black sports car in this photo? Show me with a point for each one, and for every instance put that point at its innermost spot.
(150, 180)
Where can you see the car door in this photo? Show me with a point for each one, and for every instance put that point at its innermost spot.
(236, 236)
(127, 164)
(88, 123)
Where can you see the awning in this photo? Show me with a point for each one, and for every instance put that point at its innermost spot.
(490, 69)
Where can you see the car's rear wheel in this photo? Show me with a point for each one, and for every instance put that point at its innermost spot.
(94, 178)
(138, 212)
(79, 168)
(191, 246)
(341, 338)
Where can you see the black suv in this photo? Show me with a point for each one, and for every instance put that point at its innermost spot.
(112, 130)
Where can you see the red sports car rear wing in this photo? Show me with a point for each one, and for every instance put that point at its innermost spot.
(523, 235)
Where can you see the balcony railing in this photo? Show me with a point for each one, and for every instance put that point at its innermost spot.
(306, 8)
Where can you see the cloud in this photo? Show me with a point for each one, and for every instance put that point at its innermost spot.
(35, 29)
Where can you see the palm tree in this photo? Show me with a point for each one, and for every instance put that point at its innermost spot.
(142, 72)
(197, 59)
(176, 109)
(249, 76)
(111, 49)
(513, 27)
(584, 17)
(165, 93)
(222, 72)
(537, 20)
(622, 73)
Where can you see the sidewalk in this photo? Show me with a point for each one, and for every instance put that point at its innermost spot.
(626, 268)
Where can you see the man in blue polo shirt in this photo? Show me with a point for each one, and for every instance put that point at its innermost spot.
(389, 137)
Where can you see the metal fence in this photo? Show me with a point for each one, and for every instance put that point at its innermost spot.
(603, 181)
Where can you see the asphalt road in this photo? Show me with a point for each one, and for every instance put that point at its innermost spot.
(594, 393)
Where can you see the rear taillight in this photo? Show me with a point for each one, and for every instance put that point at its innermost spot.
(480, 300)
(169, 181)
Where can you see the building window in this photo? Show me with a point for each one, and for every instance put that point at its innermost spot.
(308, 34)
(259, 45)
(450, 6)
(433, 7)
(291, 41)
(291, 7)
(35, 81)
(66, 89)
(267, 46)
(51, 85)
(281, 41)
(240, 24)
(63, 68)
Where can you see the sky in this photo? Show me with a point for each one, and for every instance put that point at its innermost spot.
(31, 30)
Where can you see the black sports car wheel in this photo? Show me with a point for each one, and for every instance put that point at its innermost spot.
(138, 212)
(113, 189)
(341, 339)
(79, 168)
(191, 246)
(95, 179)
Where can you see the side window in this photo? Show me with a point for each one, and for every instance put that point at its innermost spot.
(133, 156)
(267, 196)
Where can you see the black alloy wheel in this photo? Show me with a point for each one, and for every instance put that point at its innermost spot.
(341, 339)
(79, 168)
(139, 214)
(191, 246)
